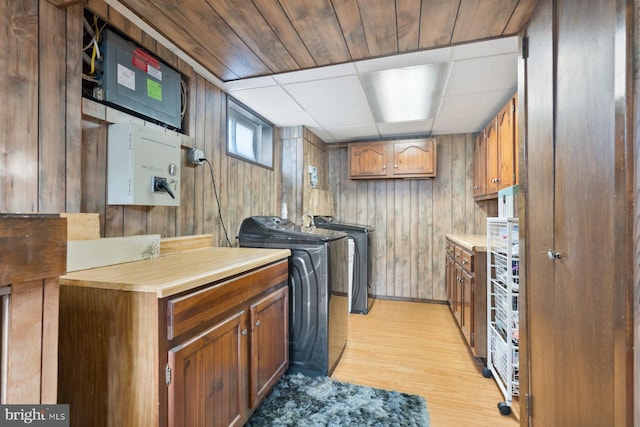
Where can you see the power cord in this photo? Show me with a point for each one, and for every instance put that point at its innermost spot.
(215, 191)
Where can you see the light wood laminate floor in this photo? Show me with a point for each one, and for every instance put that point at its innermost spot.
(417, 348)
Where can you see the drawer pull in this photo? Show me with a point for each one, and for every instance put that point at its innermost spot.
(465, 261)
(258, 323)
(244, 332)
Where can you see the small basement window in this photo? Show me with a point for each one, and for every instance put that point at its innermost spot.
(249, 136)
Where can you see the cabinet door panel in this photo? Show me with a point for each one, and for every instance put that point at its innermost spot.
(492, 157)
(368, 160)
(416, 157)
(269, 343)
(207, 384)
(459, 295)
(450, 280)
(506, 141)
(480, 166)
(467, 302)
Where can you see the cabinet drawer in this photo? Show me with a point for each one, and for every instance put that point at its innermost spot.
(450, 249)
(193, 309)
(466, 260)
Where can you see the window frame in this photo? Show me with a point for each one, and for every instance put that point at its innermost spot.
(263, 144)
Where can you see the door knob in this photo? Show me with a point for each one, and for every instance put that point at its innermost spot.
(553, 255)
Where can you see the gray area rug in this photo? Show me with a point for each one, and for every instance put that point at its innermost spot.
(297, 400)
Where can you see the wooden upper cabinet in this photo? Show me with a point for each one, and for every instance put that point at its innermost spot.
(480, 165)
(493, 156)
(507, 146)
(496, 153)
(368, 160)
(406, 158)
(414, 158)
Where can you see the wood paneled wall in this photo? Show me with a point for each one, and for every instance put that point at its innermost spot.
(300, 149)
(54, 161)
(412, 217)
(39, 125)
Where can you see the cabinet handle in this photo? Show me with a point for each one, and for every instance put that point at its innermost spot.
(384, 167)
(258, 323)
(244, 332)
(465, 261)
(395, 166)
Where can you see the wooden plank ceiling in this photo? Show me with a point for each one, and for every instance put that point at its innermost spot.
(236, 39)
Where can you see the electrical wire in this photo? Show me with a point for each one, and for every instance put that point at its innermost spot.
(215, 191)
(183, 96)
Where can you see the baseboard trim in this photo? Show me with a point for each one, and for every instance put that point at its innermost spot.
(422, 300)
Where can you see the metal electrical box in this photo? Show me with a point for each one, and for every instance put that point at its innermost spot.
(143, 166)
(134, 79)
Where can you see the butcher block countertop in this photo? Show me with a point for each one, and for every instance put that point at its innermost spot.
(477, 242)
(170, 274)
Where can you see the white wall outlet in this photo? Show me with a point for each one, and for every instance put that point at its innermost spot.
(196, 157)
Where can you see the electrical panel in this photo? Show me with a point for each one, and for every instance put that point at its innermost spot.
(134, 79)
(143, 166)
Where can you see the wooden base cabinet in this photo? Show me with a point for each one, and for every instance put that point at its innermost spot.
(269, 355)
(203, 357)
(207, 375)
(465, 280)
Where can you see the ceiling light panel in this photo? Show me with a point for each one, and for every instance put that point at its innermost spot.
(392, 93)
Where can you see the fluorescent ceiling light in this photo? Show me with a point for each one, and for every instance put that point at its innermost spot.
(405, 94)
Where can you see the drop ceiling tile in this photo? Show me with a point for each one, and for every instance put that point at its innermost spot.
(418, 127)
(352, 133)
(322, 134)
(469, 113)
(405, 60)
(300, 118)
(486, 48)
(267, 100)
(338, 117)
(328, 93)
(315, 74)
(483, 74)
(249, 83)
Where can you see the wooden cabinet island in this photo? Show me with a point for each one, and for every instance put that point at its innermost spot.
(196, 337)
